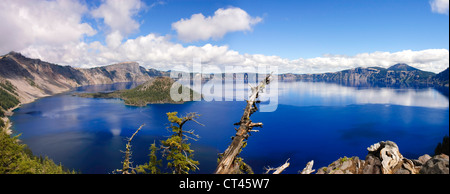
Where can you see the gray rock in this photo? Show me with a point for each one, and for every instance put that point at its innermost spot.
(436, 165)
(423, 159)
(346, 164)
(372, 165)
(402, 171)
(321, 170)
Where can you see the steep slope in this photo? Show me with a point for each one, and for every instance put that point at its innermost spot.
(34, 78)
(120, 72)
(442, 78)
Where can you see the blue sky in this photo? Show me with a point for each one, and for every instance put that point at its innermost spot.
(298, 36)
(293, 29)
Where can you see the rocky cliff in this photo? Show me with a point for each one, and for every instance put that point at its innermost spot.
(396, 75)
(34, 78)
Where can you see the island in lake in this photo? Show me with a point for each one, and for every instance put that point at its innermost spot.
(154, 91)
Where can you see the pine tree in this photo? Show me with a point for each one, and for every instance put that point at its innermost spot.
(16, 159)
(153, 163)
(176, 149)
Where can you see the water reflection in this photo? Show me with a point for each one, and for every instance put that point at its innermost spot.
(329, 94)
(107, 87)
(313, 121)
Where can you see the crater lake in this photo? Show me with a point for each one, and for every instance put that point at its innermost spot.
(312, 121)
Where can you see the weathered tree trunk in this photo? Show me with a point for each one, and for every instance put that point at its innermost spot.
(279, 169)
(308, 169)
(227, 163)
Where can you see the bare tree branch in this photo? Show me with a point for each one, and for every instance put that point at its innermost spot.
(127, 164)
(227, 163)
(308, 169)
(279, 169)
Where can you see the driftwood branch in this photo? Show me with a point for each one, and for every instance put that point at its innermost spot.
(227, 163)
(308, 169)
(279, 169)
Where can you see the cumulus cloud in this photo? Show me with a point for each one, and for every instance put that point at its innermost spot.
(118, 16)
(439, 6)
(54, 31)
(434, 60)
(30, 22)
(154, 51)
(199, 27)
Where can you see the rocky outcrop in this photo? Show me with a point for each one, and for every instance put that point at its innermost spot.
(343, 166)
(436, 165)
(384, 157)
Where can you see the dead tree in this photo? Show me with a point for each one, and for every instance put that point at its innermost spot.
(127, 164)
(308, 169)
(228, 163)
(279, 169)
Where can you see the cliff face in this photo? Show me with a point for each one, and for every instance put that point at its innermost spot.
(396, 75)
(121, 72)
(34, 78)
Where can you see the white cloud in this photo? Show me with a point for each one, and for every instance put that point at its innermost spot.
(153, 51)
(439, 6)
(54, 31)
(30, 22)
(118, 15)
(434, 60)
(199, 27)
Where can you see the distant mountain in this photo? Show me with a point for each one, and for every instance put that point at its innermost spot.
(442, 78)
(34, 78)
(397, 75)
(402, 67)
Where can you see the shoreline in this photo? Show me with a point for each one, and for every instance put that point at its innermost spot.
(7, 121)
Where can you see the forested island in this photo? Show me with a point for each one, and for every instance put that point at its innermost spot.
(154, 91)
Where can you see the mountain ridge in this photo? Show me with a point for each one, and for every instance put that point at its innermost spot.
(35, 78)
(397, 75)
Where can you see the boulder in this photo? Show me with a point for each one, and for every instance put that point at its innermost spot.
(385, 155)
(343, 166)
(436, 165)
(372, 165)
(423, 159)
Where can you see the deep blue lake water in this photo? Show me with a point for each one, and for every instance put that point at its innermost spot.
(313, 121)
